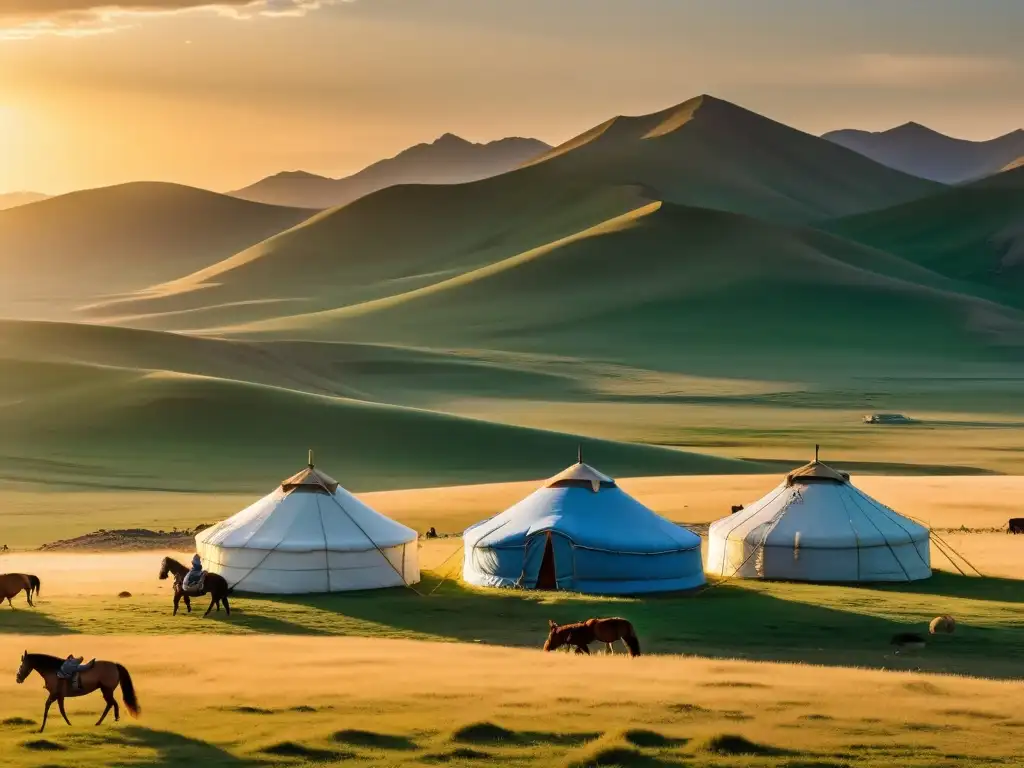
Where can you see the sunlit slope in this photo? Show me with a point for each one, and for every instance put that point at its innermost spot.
(710, 153)
(392, 241)
(105, 241)
(167, 430)
(669, 288)
(973, 233)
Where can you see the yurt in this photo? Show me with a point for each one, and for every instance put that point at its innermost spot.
(582, 533)
(310, 535)
(817, 526)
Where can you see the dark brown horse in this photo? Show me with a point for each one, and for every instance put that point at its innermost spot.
(584, 633)
(103, 676)
(13, 583)
(214, 585)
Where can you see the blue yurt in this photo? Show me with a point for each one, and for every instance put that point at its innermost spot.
(582, 533)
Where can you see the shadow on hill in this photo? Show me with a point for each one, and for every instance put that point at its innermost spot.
(993, 588)
(731, 621)
(173, 749)
(31, 621)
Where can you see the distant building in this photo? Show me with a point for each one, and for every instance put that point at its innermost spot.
(887, 418)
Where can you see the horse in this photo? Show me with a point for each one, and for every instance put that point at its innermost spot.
(104, 676)
(214, 585)
(12, 583)
(580, 635)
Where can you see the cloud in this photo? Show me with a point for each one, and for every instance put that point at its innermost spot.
(26, 19)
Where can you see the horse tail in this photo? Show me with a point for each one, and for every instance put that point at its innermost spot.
(632, 641)
(128, 691)
(33, 584)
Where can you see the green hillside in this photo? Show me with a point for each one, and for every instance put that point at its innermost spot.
(134, 429)
(395, 240)
(667, 287)
(973, 233)
(705, 152)
(76, 247)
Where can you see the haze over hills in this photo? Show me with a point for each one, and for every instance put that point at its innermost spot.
(101, 242)
(916, 149)
(447, 160)
(14, 199)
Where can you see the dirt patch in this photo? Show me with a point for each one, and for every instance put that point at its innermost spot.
(128, 540)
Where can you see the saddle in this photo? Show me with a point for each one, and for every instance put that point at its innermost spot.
(192, 586)
(72, 669)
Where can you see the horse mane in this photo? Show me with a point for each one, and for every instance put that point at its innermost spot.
(570, 627)
(44, 661)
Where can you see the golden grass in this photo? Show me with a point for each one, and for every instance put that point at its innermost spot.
(242, 696)
(215, 688)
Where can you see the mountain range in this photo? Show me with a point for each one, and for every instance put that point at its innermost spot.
(913, 148)
(672, 264)
(447, 160)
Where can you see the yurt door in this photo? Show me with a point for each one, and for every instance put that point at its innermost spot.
(549, 562)
(546, 577)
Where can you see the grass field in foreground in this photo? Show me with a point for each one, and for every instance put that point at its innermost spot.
(232, 702)
(831, 625)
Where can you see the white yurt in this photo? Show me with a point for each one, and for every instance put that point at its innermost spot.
(817, 526)
(310, 535)
(580, 532)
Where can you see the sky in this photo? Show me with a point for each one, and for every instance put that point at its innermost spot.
(220, 94)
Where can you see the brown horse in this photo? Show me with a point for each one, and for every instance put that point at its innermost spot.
(215, 585)
(12, 583)
(584, 633)
(104, 676)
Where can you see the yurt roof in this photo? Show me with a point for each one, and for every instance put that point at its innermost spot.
(310, 480)
(324, 517)
(816, 471)
(586, 506)
(580, 474)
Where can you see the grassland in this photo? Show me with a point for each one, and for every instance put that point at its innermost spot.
(235, 702)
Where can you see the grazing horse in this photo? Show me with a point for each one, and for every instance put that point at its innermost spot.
(584, 633)
(12, 583)
(104, 676)
(1015, 525)
(214, 585)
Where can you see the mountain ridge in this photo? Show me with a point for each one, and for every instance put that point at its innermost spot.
(449, 159)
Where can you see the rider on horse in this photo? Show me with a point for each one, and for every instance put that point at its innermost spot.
(195, 576)
(70, 671)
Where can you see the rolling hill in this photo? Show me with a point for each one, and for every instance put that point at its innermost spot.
(705, 152)
(182, 427)
(396, 239)
(668, 287)
(916, 149)
(14, 199)
(447, 160)
(76, 247)
(973, 233)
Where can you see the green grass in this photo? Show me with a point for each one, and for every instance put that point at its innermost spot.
(831, 625)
